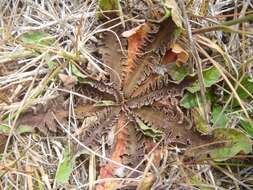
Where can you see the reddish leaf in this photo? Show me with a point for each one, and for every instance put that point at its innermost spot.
(110, 169)
(136, 38)
(176, 53)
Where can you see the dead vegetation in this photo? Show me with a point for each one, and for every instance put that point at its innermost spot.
(126, 94)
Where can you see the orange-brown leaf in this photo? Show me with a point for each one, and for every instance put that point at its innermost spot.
(110, 169)
(136, 37)
(176, 53)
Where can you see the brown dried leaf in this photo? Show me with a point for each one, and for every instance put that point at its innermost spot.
(147, 56)
(142, 89)
(86, 110)
(43, 117)
(113, 57)
(176, 127)
(135, 148)
(102, 126)
(136, 38)
(68, 80)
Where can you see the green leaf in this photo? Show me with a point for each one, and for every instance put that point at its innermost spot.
(199, 121)
(39, 38)
(6, 129)
(107, 5)
(190, 100)
(217, 118)
(247, 127)
(178, 73)
(148, 131)
(104, 103)
(65, 167)
(199, 182)
(236, 142)
(211, 76)
(51, 64)
(21, 129)
(247, 83)
(75, 71)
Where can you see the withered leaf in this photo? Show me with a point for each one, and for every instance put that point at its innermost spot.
(145, 103)
(43, 117)
(175, 53)
(110, 169)
(146, 100)
(129, 110)
(68, 80)
(111, 49)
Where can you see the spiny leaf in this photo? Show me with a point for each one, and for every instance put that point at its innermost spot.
(211, 76)
(110, 169)
(103, 87)
(237, 142)
(135, 42)
(136, 37)
(176, 128)
(147, 57)
(107, 118)
(134, 147)
(148, 131)
(84, 110)
(113, 57)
